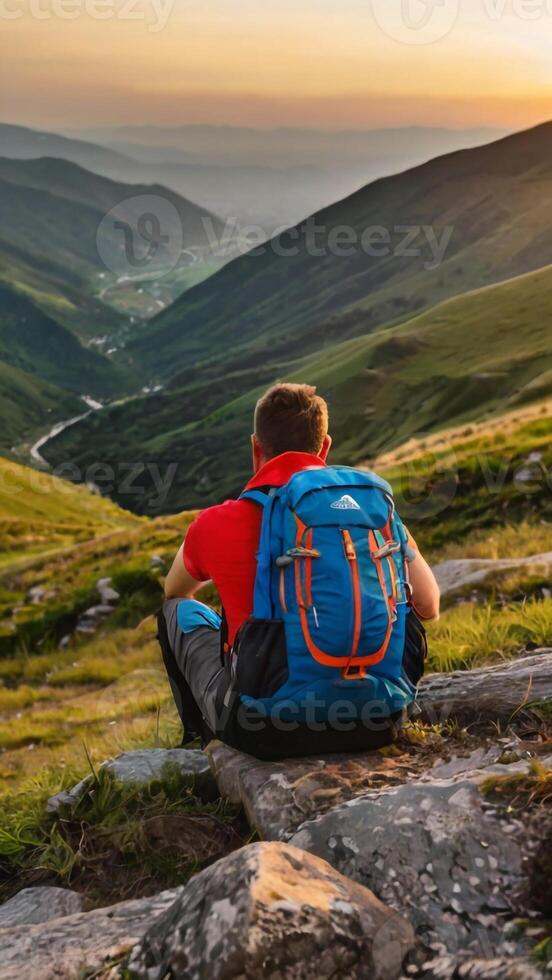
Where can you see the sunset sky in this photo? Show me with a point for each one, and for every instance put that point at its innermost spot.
(344, 63)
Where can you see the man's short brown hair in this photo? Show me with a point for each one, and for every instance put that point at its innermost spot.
(291, 418)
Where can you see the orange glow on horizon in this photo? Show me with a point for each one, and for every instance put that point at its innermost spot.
(280, 63)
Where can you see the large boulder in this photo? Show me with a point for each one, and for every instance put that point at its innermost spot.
(437, 851)
(32, 905)
(457, 573)
(272, 911)
(278, 796)
(78, 945)
(143, 767)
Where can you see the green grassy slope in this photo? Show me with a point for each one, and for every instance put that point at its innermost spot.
(35, 500)
(28, 405)
(471, 356)
(59, 291)
(38, 345)
(468, 357)
(494, 201)
(60, 539)
(39, 223)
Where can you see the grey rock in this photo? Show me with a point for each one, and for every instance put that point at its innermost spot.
(76, 945)
(67, 799)
(33, 905)
(98, 612)
(278, 796)
(86, 627)
(481, 764)
(272, 911)
(147, 765)
(455, 574)
(433, 852)
(36, 595)
(478, 759)
(144, 766)
(92, 617)
(500, 968)
(107, 593)
(487, 694)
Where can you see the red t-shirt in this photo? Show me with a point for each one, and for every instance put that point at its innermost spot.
(221, 543)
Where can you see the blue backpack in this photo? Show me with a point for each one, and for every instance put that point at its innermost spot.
(331, 567)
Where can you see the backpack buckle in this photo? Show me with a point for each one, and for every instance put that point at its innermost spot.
(354, 672)
(298, 552)
(389, 548)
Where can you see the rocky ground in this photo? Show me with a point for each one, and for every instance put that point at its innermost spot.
(424, 860)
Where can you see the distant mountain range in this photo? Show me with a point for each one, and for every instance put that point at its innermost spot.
(286, 147)
(23, 143)
(271, 178)
(399, 342)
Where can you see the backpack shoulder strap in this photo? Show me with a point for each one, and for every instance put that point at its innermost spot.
(257, 496)
(262, 601)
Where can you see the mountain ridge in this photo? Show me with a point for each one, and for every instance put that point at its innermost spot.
(39, 194)
(258, 299)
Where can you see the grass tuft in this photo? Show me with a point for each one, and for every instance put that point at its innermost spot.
(468, 635)
(522, 791)
(119, 842)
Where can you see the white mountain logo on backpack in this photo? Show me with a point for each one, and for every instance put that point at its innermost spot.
(345, 503)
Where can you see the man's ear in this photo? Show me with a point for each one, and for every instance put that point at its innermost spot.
(326, 446)
(256, 453)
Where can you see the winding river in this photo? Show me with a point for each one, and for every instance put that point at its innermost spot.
(93, 406)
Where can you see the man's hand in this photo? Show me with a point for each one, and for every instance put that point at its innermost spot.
(179, 584)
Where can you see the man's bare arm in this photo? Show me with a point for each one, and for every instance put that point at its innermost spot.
(426, 595)
(179, 584)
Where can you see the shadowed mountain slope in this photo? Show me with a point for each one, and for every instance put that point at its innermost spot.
(456, 223)
(38, 345)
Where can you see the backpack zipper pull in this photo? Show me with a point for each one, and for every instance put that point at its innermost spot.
(315, 614)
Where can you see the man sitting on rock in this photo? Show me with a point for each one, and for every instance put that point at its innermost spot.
(320, 645)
